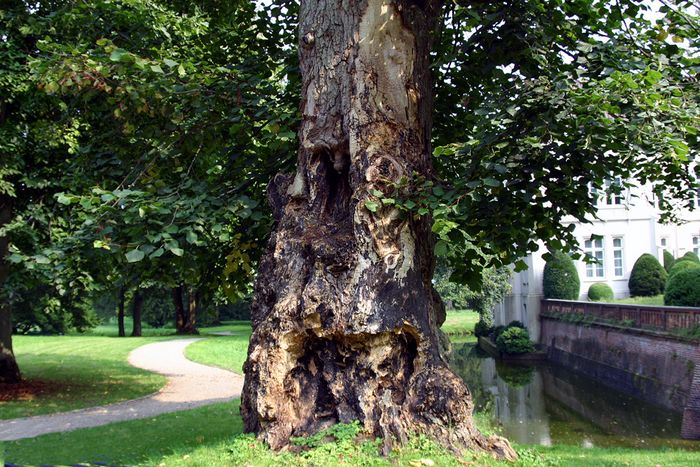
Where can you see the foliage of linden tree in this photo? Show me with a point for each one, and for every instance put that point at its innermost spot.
(178, 116)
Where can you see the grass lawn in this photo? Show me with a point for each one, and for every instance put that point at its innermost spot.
(460, 322)
(657, 300)
(227, 352)
(70, 372)
(212, 435)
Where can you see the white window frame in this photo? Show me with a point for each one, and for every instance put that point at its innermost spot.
(614, 199)
(595, 248)
(618, 271)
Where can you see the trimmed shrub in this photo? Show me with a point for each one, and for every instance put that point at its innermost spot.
(497, 331)
(668, 260)
(648, 277)
(514, 340)
(560, 278)
(482, 328)
(690, 256)
(516, 324)
(683, 288)
(681, 265)
(600, 292)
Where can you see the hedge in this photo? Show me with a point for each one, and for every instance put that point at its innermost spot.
(600, 292)
(683, 288)
(648, 277)
(560, 279)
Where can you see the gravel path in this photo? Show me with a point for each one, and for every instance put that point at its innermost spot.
(189, 385)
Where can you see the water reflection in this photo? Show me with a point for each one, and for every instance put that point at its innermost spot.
(548, 405)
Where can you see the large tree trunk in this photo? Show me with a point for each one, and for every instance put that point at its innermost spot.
(9, 371)
(345, 318)
(136, 308)
(120, 311)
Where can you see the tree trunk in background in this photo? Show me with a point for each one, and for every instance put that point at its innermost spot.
(180, 318)
(120, 311)
(136, 307)
(9, 371)
(345, 317)
(192, 310)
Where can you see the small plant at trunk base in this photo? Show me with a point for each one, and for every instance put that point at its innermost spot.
(600, 292)
(648, 277)
(560, 279)
(684, 288)
(515, 341)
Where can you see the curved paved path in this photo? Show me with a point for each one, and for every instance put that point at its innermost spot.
(189, 385)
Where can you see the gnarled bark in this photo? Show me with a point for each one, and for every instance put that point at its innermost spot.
(345, 318)
(9, 371)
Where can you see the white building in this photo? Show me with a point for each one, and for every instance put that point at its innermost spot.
(628, 226)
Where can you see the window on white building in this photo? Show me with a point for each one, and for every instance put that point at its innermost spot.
(695, 200)
(614, 192)
(594, 249)
(618, 257)
(696, 245)
(664, 242)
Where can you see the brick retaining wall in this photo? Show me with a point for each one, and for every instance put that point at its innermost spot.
(658, 368)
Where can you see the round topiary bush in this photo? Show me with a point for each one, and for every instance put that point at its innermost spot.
(683, 288)
(681, 265)
(648, 277)
(600, 292)
(482, 328)
(690, 256)
(668, 260)
(560, 278)
(515, 340)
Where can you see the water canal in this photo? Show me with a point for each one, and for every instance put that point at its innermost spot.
(548, 405)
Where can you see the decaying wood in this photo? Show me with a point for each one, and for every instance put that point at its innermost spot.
(345, 318)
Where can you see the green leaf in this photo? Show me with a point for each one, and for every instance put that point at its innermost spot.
(441, 248)
(157, 253)
(170, 63)
(117, 55)
(135, 255)
(177, 251)
(371, 206)
(62, 198)
(191, 237)
(157, 69)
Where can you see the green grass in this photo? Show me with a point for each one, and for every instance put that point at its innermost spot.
(657, 300)
(460, 322)
(213, 436)
(70, 372)
(227, 352)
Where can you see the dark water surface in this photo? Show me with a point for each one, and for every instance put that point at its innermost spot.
(548, 405)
